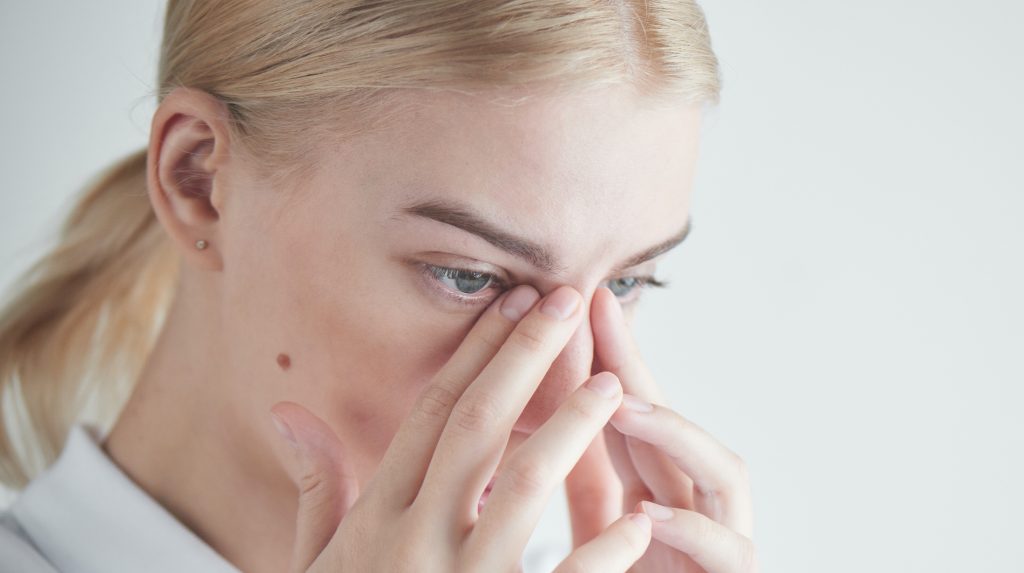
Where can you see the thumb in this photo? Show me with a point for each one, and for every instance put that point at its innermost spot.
(327, 486)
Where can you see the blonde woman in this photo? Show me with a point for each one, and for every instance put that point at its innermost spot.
(385, 253)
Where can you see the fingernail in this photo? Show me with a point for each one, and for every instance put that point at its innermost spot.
(657, 512)
(561, 303)
(641, 520)
(283, 429)
(519, 302)
(605, 384)
(636, 404)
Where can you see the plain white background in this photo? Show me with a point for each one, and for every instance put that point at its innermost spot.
(847, 314)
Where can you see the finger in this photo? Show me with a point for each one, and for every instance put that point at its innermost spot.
(327, 485)
(713, 546)
(617, 350)
(633, 487)
(480, 423)
(667, 483)
(615, 550)
(406, 461)
(594, 493)
(536, 468)
(720, 480)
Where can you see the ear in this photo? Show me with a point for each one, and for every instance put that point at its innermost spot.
(188, 144)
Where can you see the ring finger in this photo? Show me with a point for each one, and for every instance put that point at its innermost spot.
(721, 487)
(712, 545)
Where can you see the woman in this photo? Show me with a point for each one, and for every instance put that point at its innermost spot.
(386, 252)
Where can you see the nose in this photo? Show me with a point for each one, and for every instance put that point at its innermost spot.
(568, 372)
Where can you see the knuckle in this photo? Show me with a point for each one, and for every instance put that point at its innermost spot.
(682, 425)
(746, 556)
(417, 541)
(403, 557)
(312, 484)
(484, 338)
(573, 564)
(528, 336)
(526, 478)
(475, 413)
(742, 470)
(437, 401)
(709, 491)
(705, 531)
(631, 538)
(734, 480)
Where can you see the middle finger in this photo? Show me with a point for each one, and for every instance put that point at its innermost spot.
(617, 352)
(616, 349)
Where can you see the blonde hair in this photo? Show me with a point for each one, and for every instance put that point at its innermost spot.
(75, 334)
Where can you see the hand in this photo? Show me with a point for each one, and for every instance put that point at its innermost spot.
(420, 510)
(702, 515)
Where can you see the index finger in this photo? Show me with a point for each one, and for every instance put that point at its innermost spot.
(617, 351)
(405, 463)
(478, 429)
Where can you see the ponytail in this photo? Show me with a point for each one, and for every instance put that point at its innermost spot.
(76, 331)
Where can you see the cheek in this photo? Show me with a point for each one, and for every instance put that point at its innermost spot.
(353, 335)
(386, 366)
(382, 343)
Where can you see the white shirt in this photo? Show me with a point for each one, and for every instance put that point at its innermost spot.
(84, 515)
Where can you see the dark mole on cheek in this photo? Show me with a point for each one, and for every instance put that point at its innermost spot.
(284, 361)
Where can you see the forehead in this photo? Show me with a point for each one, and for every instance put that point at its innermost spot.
(575, 172)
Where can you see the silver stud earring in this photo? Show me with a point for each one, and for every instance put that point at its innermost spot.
(201, 244)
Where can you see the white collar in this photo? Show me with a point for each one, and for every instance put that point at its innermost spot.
(85, 515)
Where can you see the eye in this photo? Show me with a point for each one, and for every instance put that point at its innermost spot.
(623, 286)
(628, 288)
(461, 280)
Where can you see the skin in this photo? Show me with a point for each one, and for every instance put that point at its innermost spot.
(315, 297)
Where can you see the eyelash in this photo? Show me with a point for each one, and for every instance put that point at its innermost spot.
(436, 272)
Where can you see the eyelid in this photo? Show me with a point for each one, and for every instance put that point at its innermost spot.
(645, 282)
(427, 272)
(444, 260)
(500, 284)
(495, 279)
(652, 281)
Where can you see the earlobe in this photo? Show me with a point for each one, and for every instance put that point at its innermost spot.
(188, 146)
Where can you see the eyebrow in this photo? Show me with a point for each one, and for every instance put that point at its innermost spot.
(461, 217)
